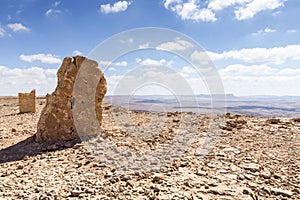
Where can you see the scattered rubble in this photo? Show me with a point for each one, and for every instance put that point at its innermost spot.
(258, 161)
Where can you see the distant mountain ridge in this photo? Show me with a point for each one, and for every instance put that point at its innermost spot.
(259, 105)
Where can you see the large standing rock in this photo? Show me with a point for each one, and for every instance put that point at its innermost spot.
(27, 102)
(56, 122)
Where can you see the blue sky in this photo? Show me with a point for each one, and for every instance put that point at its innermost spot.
(254, 44)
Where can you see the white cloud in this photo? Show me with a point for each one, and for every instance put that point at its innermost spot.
(17, 80)
(112, 82)
(292, 31)
(112, 69)
(190, 10)
(217, 5)
(152, 62)
(188, 70)
(44, 58)
(135, 81)
(269, 30)
(18, 27)
(177, 45)
(121, 64)
(56, 3)
(127, 41)
(254, 70)
(260, 80)
(119, 6)
(277, 55)
(244, 9)
(53, 11)
(77, 53)
(237, 79)
(255, 6)
(167, 3)
(104, 63)
(204, 55)
(276, 13)
(264, 31)
(144, 46)
(2, 32)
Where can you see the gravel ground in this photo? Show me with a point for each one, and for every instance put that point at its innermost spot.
(249, 158)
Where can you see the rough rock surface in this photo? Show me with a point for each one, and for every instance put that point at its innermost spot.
(27, 102)
(56, 122)
(250, 161)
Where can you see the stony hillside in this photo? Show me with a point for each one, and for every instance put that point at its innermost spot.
(252, 158)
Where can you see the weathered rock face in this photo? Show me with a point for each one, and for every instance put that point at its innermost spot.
(27, 102)
(56, 122)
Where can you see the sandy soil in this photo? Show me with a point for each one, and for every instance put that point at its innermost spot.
(252, 158)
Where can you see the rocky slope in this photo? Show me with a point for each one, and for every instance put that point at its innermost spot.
(252, 158)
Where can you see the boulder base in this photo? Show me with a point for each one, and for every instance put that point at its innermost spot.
(56, 122)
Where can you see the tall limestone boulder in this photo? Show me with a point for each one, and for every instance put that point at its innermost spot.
(56, 122)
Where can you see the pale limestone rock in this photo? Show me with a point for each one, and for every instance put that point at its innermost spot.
(252, 167)
(279, 191)
(27, 102)
(56, 122)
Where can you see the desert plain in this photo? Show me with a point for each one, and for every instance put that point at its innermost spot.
(252, 158)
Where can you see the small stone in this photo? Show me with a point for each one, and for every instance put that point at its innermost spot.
(211, 165)
(130, 183)
(252, 167)
(108, 174)
(249, 176)
(176, 120)
(273, 121)
(78, 145)
(296, 120)
(223, 126)
(75, 193)
(26, 157)
(158, 178)
(89, 175)
(246, 191)
(241, 177)
(20, 166)
(218, 191)
(266, 173)
(278, 191)
(13, 130)
(201, 173)
(44, 198)
(231, 149)
(277, 176)
(296, 190)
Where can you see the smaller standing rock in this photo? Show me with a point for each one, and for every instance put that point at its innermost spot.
(27, 102)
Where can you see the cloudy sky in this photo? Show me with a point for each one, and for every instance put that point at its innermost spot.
(254, 44)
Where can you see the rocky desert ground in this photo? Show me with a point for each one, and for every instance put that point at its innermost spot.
(252, 158)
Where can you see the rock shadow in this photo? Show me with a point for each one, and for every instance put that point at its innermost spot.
(29, 147)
